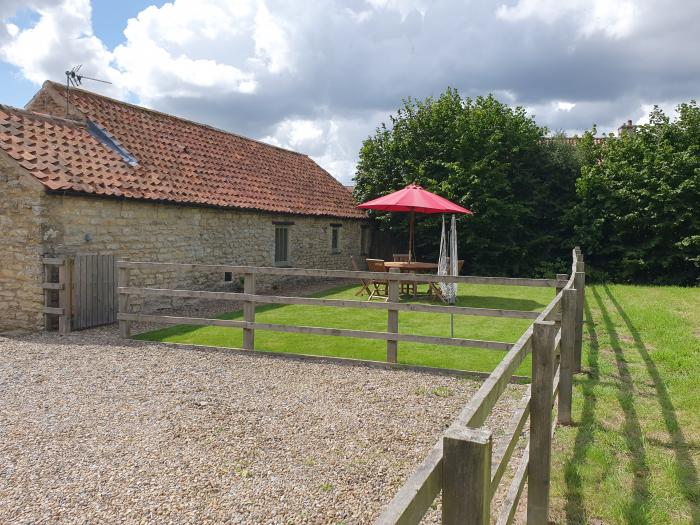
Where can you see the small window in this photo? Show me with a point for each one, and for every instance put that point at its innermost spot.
(364, 240)
(335, 239)
(228, 277)
(281, 244)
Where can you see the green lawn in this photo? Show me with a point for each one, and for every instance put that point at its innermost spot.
(471, 327)
(633, 454)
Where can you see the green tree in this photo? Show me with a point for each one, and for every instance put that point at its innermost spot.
(638, 216)
(488, 157)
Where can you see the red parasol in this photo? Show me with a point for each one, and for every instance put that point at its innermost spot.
(413, 199)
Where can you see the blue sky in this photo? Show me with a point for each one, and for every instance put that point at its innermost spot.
(320, 79)
(109, 18)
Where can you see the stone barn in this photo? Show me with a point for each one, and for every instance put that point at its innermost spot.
(81, 173)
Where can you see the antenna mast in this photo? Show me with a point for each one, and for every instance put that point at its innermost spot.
(74, 79)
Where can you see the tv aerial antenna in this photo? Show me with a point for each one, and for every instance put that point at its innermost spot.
(75, 79)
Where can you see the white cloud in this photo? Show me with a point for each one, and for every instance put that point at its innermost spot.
(271, 41)
(12, 30)
(612, 18)
(402, 6)
(297, 134)
(332, 142)
(561, 105)
(641, 116)
(60, 39)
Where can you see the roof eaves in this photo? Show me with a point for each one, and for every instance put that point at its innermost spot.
(78, 193)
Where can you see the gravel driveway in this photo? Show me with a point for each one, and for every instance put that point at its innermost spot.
(94, 429)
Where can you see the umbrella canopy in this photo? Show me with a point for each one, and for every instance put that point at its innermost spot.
(413, 199)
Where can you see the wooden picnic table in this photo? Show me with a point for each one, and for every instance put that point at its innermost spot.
(416, 267)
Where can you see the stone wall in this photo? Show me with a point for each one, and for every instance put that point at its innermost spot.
(172, 233)
(21, 225)
(54, 224)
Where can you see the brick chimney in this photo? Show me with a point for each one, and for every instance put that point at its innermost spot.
(626, 129)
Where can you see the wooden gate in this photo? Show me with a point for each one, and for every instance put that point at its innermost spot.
(94, 291)
(80, 291)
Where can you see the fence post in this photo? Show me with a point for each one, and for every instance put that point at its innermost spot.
(542, 388)
(466, 476)
(249, 311)
(580, 285)
(123, 281)
(64, 296)
(47, 294)
(566, 366)
(392, 345)
(560, 277)
(558, 289)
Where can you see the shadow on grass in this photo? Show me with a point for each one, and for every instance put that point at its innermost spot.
(635, 511)
(478, 301)
(501, 303)
(685, 471)
(586, 427)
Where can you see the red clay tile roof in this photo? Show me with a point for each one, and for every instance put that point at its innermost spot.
(178, 160)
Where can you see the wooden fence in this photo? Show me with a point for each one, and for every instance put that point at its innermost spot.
(250, 299)
(462, 464)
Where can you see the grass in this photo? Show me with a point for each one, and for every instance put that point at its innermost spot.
(471, 327)
(633, 453)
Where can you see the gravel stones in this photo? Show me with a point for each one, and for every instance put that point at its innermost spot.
(94, 429)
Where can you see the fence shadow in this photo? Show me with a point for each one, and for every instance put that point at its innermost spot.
(586, 426)
(632, 430)
(502, 303)
(685, 470)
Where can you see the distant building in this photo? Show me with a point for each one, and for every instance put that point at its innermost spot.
(626, 129)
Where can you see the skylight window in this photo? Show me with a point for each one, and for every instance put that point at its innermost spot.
(108, 140)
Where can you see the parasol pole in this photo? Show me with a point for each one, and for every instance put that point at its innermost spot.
(454, 264)
(410, 235)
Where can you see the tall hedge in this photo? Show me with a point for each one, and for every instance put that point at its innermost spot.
(632, 203)
(638, 214)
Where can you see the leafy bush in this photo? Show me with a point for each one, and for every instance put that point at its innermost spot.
(632, 203)
(638, 215)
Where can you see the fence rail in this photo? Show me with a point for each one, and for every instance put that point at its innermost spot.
(338, 274)
(462, 463)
